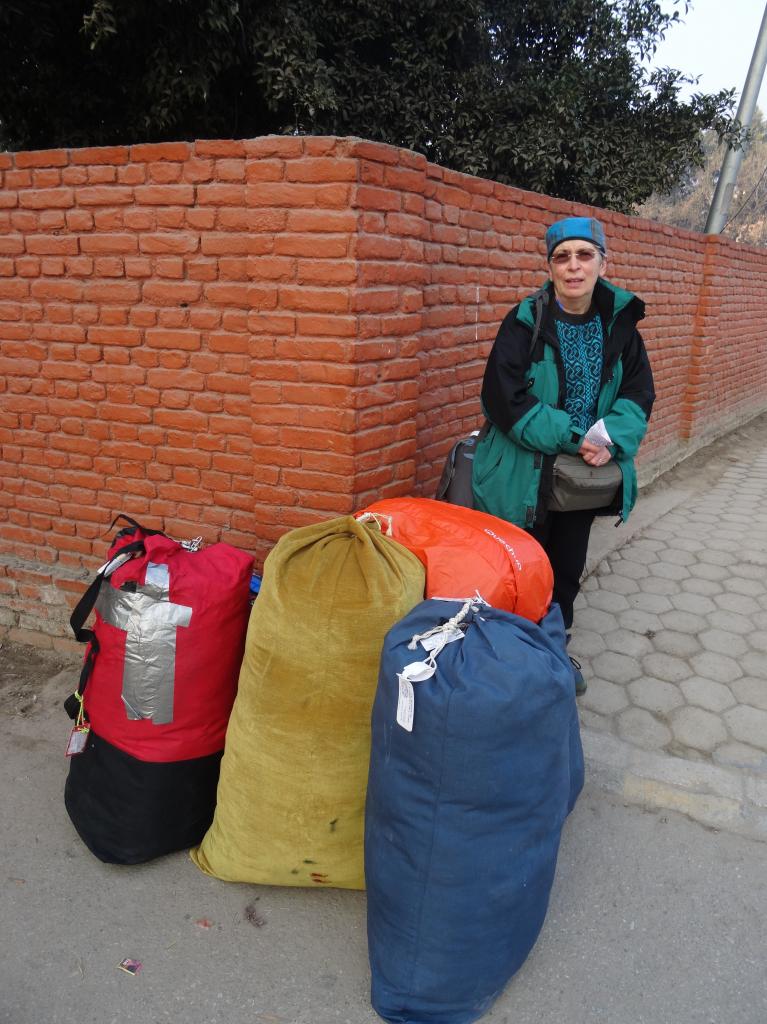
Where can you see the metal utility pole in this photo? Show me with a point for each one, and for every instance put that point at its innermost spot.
(717, 215)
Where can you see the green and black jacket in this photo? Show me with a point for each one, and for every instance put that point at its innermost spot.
(523, 399)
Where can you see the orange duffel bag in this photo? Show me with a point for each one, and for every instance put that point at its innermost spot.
(466, 551)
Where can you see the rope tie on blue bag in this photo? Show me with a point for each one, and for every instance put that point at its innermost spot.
(452, 624)
(434, 641)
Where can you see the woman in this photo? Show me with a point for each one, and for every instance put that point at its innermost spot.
(568, 373)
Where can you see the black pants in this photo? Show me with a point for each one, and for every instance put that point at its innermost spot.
(564, 536)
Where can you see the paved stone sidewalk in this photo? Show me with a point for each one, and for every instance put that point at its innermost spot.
(671, 630)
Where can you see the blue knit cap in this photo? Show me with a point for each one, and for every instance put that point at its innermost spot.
(587, 229)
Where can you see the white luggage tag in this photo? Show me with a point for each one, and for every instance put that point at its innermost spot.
(415, 672)
(434, 641)
(78, 738)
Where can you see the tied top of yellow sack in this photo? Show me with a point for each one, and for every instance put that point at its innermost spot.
(291, 795)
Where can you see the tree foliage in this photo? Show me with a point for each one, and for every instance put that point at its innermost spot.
(550, 95)
(688, 203)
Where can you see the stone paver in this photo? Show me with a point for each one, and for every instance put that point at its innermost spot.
(679, 556)
(639, 726)
(619, 668)
(669, 571)
(750, 588)
(620, 584)
(738, 603)
(711, 574)
(605, 698)
(608, 602)
(623, 641)
(640, 622)
(699, 729)
(748, 725)
(702, 586)
(716, 666)
(754, 664)
(740, 755)
(751, 691)
(758, 641)
(685, 622)
(721, 641)
(589, 644)
(695, 603)
(638, 570)
(658, 604)
(704, 693)
(596, 620)
(714, 557)
(739, 624)
(656, 695)
(672, 630)
(656, 585)
(666, 666)
(748, 571)
(681, 645)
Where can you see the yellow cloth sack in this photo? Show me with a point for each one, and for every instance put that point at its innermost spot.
(291, 794)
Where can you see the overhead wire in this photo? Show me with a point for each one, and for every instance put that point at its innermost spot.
(747, 200)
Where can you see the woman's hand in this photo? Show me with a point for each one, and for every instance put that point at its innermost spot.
(595, 455)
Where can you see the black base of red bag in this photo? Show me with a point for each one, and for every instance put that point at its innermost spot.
(128, 811)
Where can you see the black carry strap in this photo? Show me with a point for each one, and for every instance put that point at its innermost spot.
(87, 602)
(541, 298)
(85, 605)
(73, 703)
(135, 526)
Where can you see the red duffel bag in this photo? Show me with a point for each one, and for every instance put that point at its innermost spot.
(155, 694)
(466, 551)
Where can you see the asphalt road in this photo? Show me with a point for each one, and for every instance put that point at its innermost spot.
(654, 919)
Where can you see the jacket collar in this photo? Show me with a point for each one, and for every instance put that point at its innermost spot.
(609, 299)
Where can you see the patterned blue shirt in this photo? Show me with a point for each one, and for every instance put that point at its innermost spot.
(581, 348)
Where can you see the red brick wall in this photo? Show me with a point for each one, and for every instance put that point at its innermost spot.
(233, 338)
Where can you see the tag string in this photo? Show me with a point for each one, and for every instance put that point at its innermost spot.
(380, 519)
(80, 721)
(454, 623)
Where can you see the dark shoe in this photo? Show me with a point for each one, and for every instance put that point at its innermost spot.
(580, 682)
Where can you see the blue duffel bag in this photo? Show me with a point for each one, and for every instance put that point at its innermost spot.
(476, 762)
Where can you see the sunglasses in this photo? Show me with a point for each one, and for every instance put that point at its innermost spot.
(560, 259)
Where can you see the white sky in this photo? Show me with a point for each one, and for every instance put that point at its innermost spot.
(716, 42)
